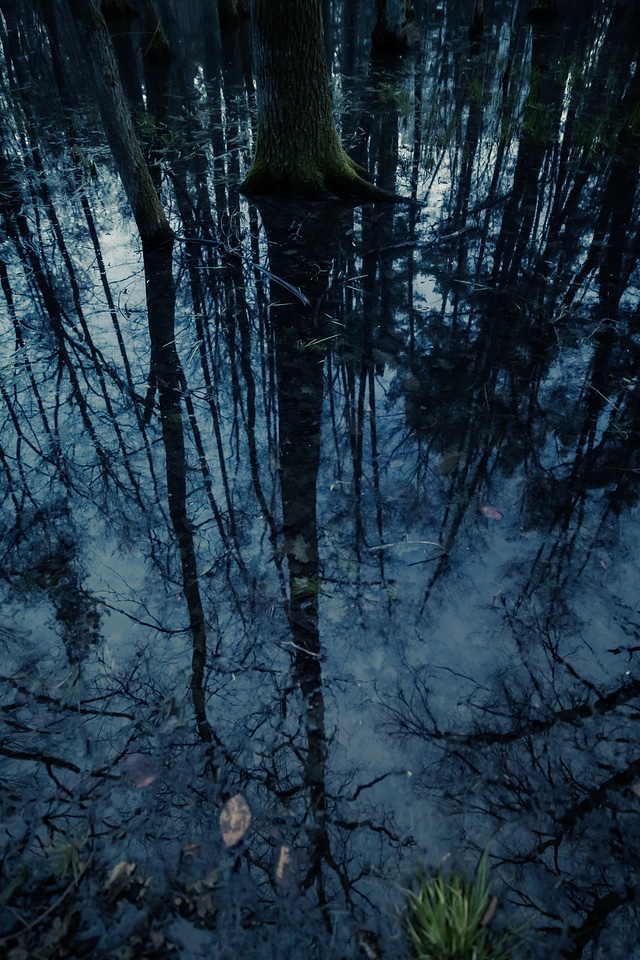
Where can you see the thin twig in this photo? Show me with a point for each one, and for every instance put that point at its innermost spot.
(53, 906)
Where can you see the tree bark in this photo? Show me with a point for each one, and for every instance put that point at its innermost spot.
(476, 28)
(298, 149)
(228, 13)
(393, 32)
(116, 117)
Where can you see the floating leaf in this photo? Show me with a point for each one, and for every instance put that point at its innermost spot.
(298, 548)
(119, 878)
(235, 818)
(490, 512)
(139, 769)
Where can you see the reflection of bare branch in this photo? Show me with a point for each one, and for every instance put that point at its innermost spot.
(52, 906)
(154, 625)
(229, 252)
(595, 918)
(80, 707)
(408, 543)
(374, 827)
(44, 758)
(597, 796)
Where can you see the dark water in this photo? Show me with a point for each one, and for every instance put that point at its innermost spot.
(368, 565)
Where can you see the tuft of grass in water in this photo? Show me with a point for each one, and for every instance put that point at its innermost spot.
(448, 917)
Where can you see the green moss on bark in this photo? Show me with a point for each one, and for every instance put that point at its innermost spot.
(298, 149)
(337, 177)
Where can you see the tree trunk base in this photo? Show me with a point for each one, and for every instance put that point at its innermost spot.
(543, 11)
(342, 181)
(384, 40)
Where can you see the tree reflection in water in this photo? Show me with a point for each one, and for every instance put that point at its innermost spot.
(364, 553)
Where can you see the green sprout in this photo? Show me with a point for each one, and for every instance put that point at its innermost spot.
(448, 917)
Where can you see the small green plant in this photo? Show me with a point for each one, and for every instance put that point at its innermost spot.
(305, 587)
(394, 97)
(63, 855)
(448, 917)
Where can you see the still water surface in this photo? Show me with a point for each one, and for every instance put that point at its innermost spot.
(353, 557)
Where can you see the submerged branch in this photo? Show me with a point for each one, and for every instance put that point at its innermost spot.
(252, 265)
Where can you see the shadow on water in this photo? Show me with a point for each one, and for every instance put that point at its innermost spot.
(322, 518)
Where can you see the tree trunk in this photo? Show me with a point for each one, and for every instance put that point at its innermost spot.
(476, 28)
(116, 118)
(298, 149)
(393, 32)
(543, 10)
(228, 13)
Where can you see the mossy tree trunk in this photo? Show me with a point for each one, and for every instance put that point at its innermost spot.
(298, 149)
(145, 203)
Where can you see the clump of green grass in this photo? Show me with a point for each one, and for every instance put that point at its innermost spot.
(448, 917)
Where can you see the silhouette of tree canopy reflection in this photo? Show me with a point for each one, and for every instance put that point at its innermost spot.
(321, 498)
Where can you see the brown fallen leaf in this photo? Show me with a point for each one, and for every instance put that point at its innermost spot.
(235, 818)
(490, 912)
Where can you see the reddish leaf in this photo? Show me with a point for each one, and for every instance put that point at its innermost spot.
(490, 512)
(139, 769)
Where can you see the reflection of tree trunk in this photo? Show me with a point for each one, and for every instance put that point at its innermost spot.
(18, 228)
(229, 13)
(145, 203)
(300, 377)
(476, 28)
(618, 215)
(121, 21)
(392, 31)
(156, 60)
(541, 121)
(381, 294)
(166, 374)
(614, 245)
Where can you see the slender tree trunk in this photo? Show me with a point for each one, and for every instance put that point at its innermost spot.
(166, 373)
(116, 117)
(298, 148)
